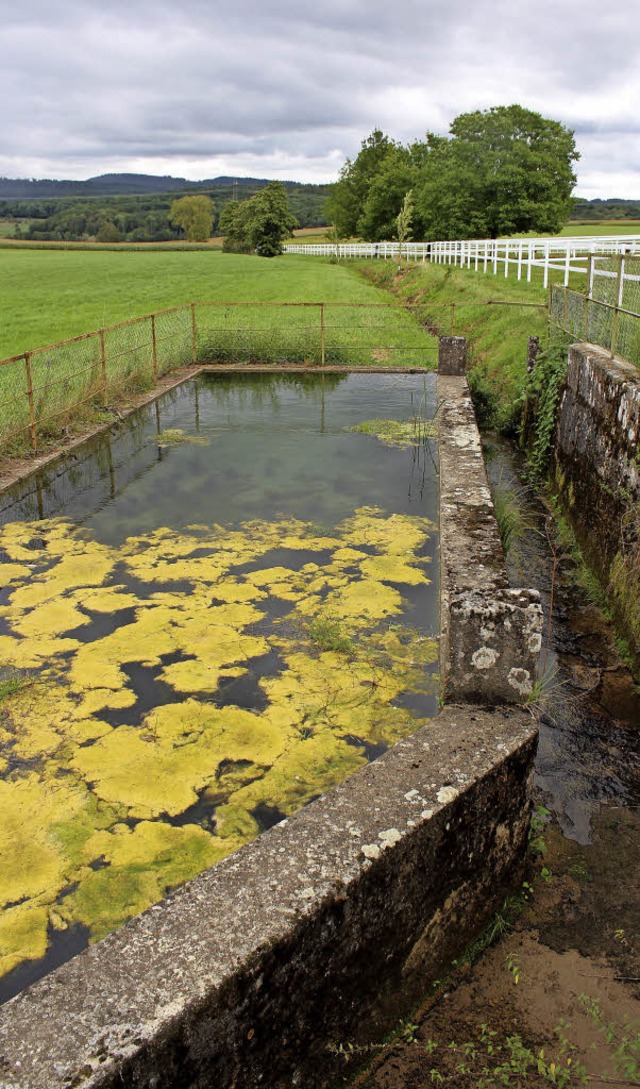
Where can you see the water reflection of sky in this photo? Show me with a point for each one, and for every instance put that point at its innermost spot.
(276, 446)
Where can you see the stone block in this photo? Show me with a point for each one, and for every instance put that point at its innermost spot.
(452, 355)
(495, 636)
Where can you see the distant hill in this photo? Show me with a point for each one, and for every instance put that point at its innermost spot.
(107, 185)
(131, 207)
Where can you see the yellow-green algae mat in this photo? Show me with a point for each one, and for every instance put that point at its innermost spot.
(84, 805)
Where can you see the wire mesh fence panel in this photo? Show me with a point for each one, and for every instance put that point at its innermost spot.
(129, 356)
(608, 312)
(14, 401)
(274, 333)
(173, 331)
(394, 336)
(64, 377)
(315, 333)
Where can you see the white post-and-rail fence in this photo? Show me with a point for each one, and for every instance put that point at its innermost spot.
(509, 255)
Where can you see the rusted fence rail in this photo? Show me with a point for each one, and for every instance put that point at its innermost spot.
(46, 391)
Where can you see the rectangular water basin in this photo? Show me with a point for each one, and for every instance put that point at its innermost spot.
(208, 617)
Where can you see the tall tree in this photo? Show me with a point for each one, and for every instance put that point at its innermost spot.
(194, 215)
(503, 171)
(259, 224)
(347, 201)
(399, 171)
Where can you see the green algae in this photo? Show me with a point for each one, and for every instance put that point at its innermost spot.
(401, 433)
(175, 436)
(90, 781)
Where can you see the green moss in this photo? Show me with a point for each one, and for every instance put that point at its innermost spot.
(174, 436)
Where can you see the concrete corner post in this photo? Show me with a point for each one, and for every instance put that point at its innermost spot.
(533, 351)
(452, 356)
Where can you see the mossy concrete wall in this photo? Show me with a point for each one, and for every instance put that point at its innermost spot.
(596, 465)
(321, 933)
(595, 470)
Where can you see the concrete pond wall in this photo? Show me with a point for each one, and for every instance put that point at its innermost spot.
(320, 934)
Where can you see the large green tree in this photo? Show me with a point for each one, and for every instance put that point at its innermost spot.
(347, 201)
(260, 224)
(502, 171)
(194, 215)
(399, 171)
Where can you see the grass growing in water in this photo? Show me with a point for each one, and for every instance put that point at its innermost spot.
(329, 635)
(398, 432)
(12, 684)
(175, 436)
(509, 515)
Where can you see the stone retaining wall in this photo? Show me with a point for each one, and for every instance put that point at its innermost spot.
(595, 458)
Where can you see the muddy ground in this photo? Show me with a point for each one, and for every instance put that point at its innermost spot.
(555, 1000)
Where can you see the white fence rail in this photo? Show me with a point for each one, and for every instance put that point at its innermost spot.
(507, 255)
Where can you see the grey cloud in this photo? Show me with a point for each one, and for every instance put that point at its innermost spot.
(95, 84)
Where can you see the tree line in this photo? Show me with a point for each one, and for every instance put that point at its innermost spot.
(502, 171)
(598, 210)
(142, 218)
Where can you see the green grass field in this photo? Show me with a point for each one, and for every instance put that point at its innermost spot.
(51, 295)
(606, 227)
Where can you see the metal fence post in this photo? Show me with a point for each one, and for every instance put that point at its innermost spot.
(154, 348)
(32, 408)
(322, 340)
(587, 297)
(103, 366)
(194, 337)
(616, 312)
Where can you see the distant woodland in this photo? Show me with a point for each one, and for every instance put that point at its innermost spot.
(135, 207)
(599, 210)
(132, 207)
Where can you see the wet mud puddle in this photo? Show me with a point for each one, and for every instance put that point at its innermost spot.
(557, 1000)
(207, 618)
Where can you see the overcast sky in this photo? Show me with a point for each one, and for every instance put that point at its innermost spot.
(289, 88)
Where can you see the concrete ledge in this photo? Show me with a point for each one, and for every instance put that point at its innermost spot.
(319, 933)
(490, 635)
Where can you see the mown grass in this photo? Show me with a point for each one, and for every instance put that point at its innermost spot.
(605, 227)
(51, 295)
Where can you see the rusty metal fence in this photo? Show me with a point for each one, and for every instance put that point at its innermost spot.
(607, 313)
(45, 391)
